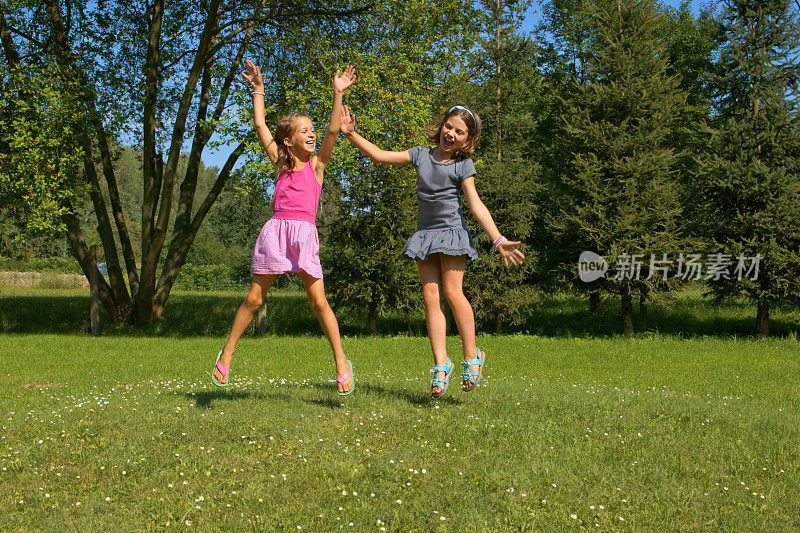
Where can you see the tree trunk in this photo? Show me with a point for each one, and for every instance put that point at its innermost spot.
(81, 253)
(94, 311)
(186, 227)
(627, 312)
(115, 276)
(594, 301)
(762, 318)
(643, 308)
(498, 321)
(373, 317)
(261, 327)
(154, 228)
(499, 107)
(9, 49)
(68, 65)
(182, 241)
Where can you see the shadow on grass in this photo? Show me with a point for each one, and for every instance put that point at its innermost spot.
(288, 314)
(416, 398)
(207, 399)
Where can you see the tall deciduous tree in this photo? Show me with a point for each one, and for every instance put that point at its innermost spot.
(747, 185)
(163, 73)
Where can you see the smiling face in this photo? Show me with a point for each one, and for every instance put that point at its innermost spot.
(453, 135)
(303, 141)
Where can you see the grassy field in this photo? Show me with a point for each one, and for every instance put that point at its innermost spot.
(648, 433)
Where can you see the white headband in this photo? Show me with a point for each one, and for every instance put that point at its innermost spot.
(465, 109)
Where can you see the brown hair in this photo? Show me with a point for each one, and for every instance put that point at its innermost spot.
(470, 118)
(285, 129)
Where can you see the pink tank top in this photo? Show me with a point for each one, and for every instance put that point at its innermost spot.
(296, 195)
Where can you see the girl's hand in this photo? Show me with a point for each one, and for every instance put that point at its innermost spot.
(343, 81)
(508, 250)
(347, 124)
(253, 75)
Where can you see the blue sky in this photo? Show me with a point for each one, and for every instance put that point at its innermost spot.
(217, 158)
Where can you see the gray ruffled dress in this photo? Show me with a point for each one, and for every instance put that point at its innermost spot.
(440, 225)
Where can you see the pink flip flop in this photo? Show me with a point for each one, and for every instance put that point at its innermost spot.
(222, 370)
(342, 379)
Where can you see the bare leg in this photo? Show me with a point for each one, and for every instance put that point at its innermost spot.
(315, 290)
(431, 279)
(453, 277)
(244, 315)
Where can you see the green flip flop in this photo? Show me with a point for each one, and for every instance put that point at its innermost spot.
(222, 370)
(342, 379)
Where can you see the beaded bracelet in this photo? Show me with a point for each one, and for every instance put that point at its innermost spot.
(500, 240)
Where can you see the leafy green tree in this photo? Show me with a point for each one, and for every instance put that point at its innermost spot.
(691, 44)
(746, 186)
(162, 73)
(622, 198)
(39, 173)
(563, 43)
(368, 211)
(564, 34)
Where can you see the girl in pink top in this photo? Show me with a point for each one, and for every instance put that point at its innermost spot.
(288, 242)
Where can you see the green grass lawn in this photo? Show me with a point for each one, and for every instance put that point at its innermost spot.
(648, 433)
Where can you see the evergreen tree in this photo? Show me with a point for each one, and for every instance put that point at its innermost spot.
(505, 91)
(621, 199)
(747, 186)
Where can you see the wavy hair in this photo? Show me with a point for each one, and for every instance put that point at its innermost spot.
(470, 118)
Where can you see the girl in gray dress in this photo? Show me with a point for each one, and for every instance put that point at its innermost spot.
(442, 244)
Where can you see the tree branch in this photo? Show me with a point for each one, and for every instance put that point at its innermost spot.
(81, 253)
(10, 51)
(67, 62)
(150, 193)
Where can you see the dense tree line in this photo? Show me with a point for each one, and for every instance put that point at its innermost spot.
(663, 141)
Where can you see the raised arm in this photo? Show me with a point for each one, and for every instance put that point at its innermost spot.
(348, 129)
(508, 249)
(340, 83)
(253, 76)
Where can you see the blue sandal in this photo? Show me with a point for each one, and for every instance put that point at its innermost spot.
(444, 382)
(473, 377)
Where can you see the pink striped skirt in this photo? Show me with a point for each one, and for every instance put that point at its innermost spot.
(287, 246)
